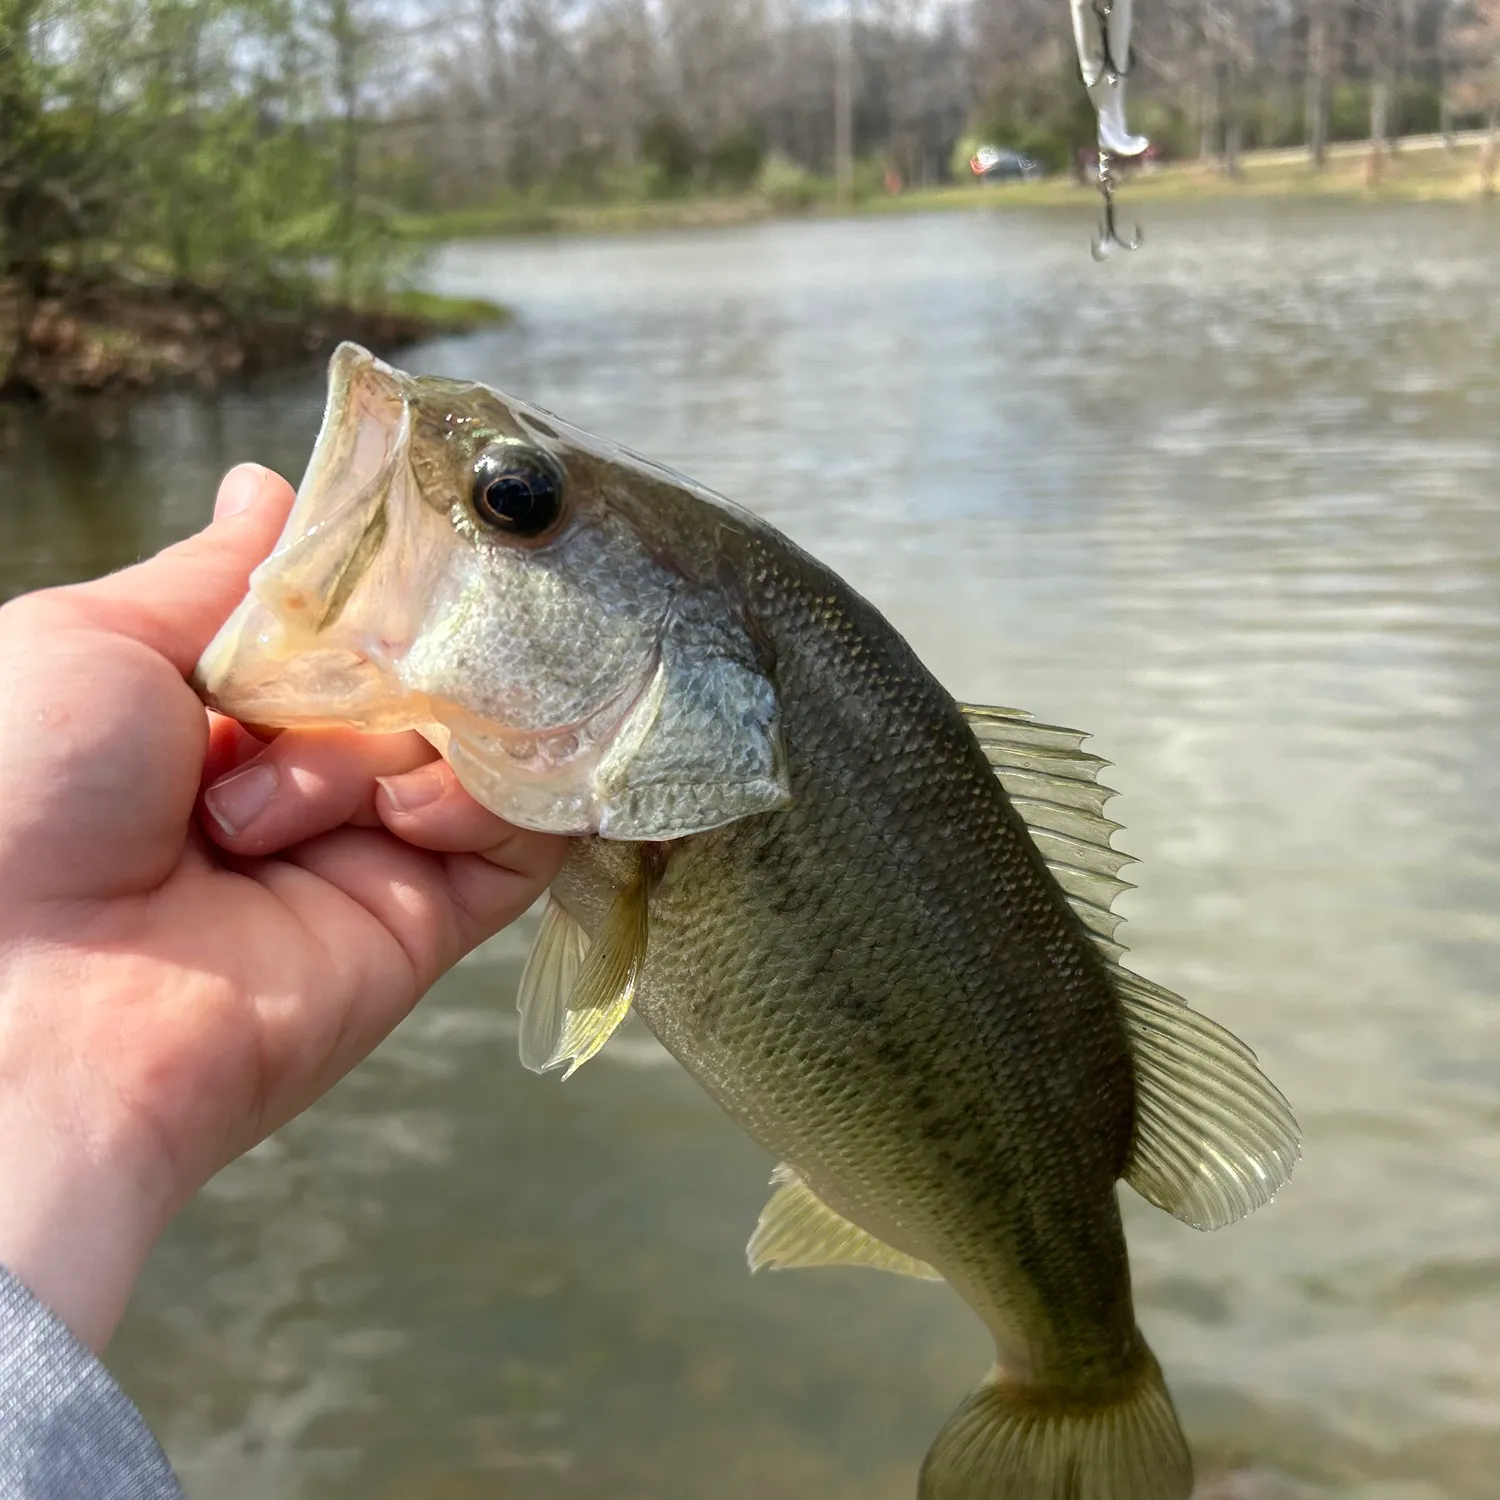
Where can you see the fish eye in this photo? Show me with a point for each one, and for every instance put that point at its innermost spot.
(518, 490)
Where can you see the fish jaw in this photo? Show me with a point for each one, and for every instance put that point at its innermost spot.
(313, 644)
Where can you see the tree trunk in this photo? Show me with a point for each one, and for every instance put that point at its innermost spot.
(179, 68)
(843, 105)
(492, 111)
(1444, 66)
(1379, 99)
(346, 83)
(1207, 107)
(1316, 105)
(1400, 38)
(1379, 104)
(1230, 109)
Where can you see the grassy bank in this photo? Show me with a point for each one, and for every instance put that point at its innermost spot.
(1422, 171)
(587, 218)
(76, 337)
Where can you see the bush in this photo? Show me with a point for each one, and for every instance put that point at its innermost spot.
(1349, 112)
(1272, 119)
(584, 173)
(787, 186)
(670, 154)
(735, 159)
(1416, 109)
(1419, 108)
(1165, 124)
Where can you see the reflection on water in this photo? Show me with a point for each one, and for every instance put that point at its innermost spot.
(1230, 504)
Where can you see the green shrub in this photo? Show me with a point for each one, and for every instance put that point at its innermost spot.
(787, 186)
(584, 174)
(1349, 112)
(1419, 108)
(1166, 125)
(735, 159)
(670, 154)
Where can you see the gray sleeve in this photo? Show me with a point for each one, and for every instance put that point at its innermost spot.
(67, 1431)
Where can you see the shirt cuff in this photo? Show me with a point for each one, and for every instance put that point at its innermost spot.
(67, 1431)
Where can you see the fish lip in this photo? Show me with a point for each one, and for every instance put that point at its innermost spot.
(358, 383)
(358, 452)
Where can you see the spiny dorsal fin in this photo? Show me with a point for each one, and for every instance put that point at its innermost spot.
(1214, 1138)
(606, 982)
(547, 981)
(797, 1228)
(1054, 786)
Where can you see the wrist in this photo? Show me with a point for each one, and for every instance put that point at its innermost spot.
(80, 1202)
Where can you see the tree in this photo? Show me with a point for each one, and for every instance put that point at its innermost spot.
(1478, 62)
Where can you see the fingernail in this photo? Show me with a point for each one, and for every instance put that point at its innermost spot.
(414, 789)
(239, 490)
(237, 800)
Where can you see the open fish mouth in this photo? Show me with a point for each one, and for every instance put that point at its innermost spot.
(274, 661)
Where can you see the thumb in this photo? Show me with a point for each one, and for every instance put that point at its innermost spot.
(175, 601)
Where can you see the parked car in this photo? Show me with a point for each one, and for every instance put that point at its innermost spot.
(995, 164)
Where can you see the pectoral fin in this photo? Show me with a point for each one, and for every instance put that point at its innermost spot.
(606, 982)
(797, 1228)
(547, 984)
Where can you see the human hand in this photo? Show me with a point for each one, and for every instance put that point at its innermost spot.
(184, 970)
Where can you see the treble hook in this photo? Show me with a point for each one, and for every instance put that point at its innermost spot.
(1108, 239)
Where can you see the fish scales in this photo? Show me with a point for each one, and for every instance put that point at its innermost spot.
(875, 982)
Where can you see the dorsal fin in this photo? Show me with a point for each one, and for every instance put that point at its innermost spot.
(1054, 786)
(1213, 1137)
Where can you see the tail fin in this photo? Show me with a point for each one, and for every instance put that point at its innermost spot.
(1012, 1442)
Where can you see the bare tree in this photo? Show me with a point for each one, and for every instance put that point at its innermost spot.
(1315, 106)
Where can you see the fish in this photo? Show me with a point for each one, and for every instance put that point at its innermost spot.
(873, 922)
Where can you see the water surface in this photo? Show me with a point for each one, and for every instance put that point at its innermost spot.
(1232, 505)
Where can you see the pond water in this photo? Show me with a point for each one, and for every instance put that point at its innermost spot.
(1232, 504)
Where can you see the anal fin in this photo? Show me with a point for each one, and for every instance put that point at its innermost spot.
(797, 1228)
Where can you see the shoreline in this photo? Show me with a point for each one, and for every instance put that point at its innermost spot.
(113, 335)
(1420, 171)
(79, 339)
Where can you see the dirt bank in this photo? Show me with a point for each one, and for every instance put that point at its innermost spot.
(76, 338)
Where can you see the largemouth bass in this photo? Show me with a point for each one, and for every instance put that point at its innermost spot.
(874, 923)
